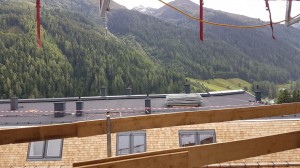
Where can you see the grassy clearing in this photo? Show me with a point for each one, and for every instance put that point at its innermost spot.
(221, 84)
(284, 86)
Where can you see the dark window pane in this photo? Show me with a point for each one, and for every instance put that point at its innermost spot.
(54, 148)
(138, 143)
(206, 138)
(188, 139)
(36, 149)
(123, 145)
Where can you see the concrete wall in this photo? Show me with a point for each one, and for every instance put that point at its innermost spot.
(90, 148)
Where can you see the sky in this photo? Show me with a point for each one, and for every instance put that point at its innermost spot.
(251, 8)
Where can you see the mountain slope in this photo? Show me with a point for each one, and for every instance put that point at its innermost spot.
(225, 53)
(152, 54)
(77, 58)
(144, 10)
(285, 36)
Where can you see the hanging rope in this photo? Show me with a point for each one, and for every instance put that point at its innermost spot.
(270, 15)
(220, 24)
(201, 18)
(38, 22)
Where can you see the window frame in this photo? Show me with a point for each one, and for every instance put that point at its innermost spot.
(131, 141)
(44, 152)
(196, 133)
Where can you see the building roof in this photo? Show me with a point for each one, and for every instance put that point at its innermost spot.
(40, 111)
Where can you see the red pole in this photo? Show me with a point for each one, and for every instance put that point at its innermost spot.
(38, 22)
(201, 20)
(270, 15)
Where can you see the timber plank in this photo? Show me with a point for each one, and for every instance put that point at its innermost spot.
(170, 160)
(200, 117)
(30, 134)
(125, 157)
(236, 150)
(91, 128)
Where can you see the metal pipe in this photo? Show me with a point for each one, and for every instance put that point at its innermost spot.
(108, 130)
(257, 164)
(147, 105)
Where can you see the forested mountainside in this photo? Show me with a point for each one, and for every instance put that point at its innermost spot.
(76, 59)
(250, 54)
(151, 54)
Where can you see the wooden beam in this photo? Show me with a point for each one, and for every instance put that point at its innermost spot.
(288, 20)
(295, 20)
(31, 134)
(190, 118)
(125, 157)
(22, 135)
(170, 160)
(104, 7)
(224, 152)
(215, 153)
(254, 165)
(201, 117)
(288, 11)
(92, 128)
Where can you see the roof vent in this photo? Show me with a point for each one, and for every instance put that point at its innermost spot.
(187, 87)
(14, 103)
(79, 108)
(59, 109)
(129, 91)
(103, 91)
(257, 94)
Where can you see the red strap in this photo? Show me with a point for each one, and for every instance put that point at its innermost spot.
(201, 20)
(271, 23)
(38, 22)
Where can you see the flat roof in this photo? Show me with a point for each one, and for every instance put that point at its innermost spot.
(40, 111)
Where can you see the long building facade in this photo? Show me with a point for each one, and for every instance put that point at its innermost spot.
(92, 148)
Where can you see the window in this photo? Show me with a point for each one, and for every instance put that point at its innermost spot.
(191, 138)
(45, 150)
(131, 142)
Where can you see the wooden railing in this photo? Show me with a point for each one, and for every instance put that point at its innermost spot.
(92, 128)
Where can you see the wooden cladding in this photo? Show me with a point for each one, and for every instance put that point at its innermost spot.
(199, 156)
